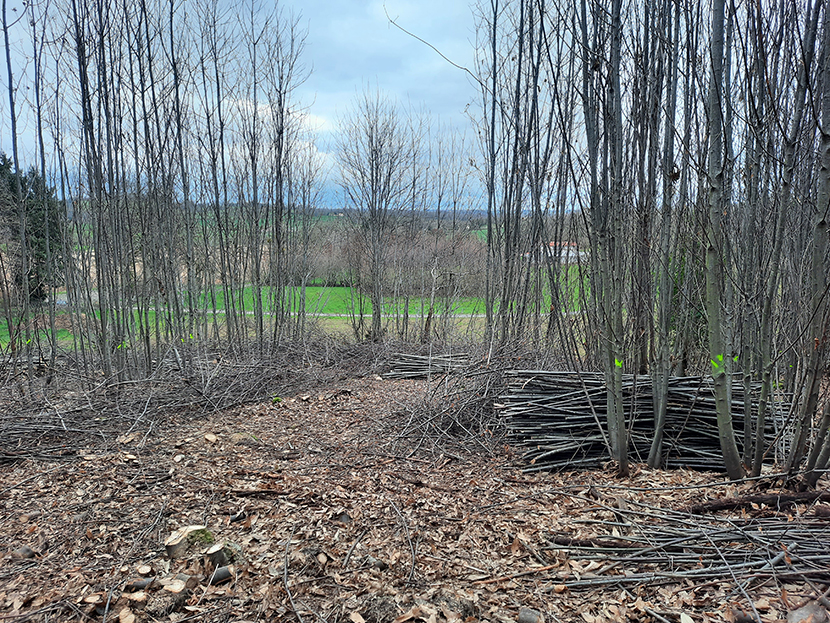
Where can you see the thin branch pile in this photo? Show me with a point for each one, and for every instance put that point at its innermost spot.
(560, 417)
(54, 423)
(641, 545)
(411, 366)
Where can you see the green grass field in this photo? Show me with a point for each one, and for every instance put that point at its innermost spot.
(318, 300)
(339, 301)
(332, 307)
(41, 336)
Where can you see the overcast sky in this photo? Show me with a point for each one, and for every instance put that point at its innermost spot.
(351, 44)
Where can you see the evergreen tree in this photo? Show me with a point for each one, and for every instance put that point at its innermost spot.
(43, 229)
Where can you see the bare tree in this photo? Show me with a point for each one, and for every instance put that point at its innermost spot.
(669, 48)
(374, 154)
(715, 269)
(18, 198)
(817, 291)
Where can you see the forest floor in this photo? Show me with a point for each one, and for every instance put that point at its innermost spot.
(330, 509)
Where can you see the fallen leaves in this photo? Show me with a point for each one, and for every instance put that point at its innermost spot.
(319, 498)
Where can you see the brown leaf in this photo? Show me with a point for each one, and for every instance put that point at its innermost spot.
(516, 547)
(408, 616)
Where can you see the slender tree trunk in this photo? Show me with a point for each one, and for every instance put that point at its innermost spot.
(715, 249)
(772, 274)
(661, 371)
(21, 206)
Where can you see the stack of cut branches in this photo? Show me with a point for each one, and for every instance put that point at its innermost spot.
(409, 366)
(560, 417)
(640, 545)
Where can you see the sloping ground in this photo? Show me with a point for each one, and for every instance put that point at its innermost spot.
(334, 510)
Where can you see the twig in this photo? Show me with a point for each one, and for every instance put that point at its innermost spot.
(452, 562)
(26, 615)
(539, 558)
(735, 579)
(255, 492)
(315, 613)
(822, 595)
(773, 500)
(199, 615)
(409, 539)
(351, 549)
(504, 578)
(771, 564)
(656, 616)
(126, 556)
(285, 575)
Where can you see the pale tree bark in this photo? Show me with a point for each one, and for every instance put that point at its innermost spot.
(514, 167)
(187, 211)
(37, 23)
(612, 277)
(590, 48)
(93, 157)
(490, 103)
(715, 248)
(215, 42)
(646, 112)
(21, 208)
(606, 206)
(254, 37)
(819, 321)
(772, 272)
(662, 367)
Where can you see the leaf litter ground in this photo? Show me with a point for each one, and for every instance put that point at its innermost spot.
(333, 511)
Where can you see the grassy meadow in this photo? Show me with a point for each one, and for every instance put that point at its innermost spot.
(331, 307)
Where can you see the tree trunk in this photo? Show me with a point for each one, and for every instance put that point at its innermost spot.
(715, 256)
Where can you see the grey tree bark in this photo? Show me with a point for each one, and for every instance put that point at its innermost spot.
(715, 249)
